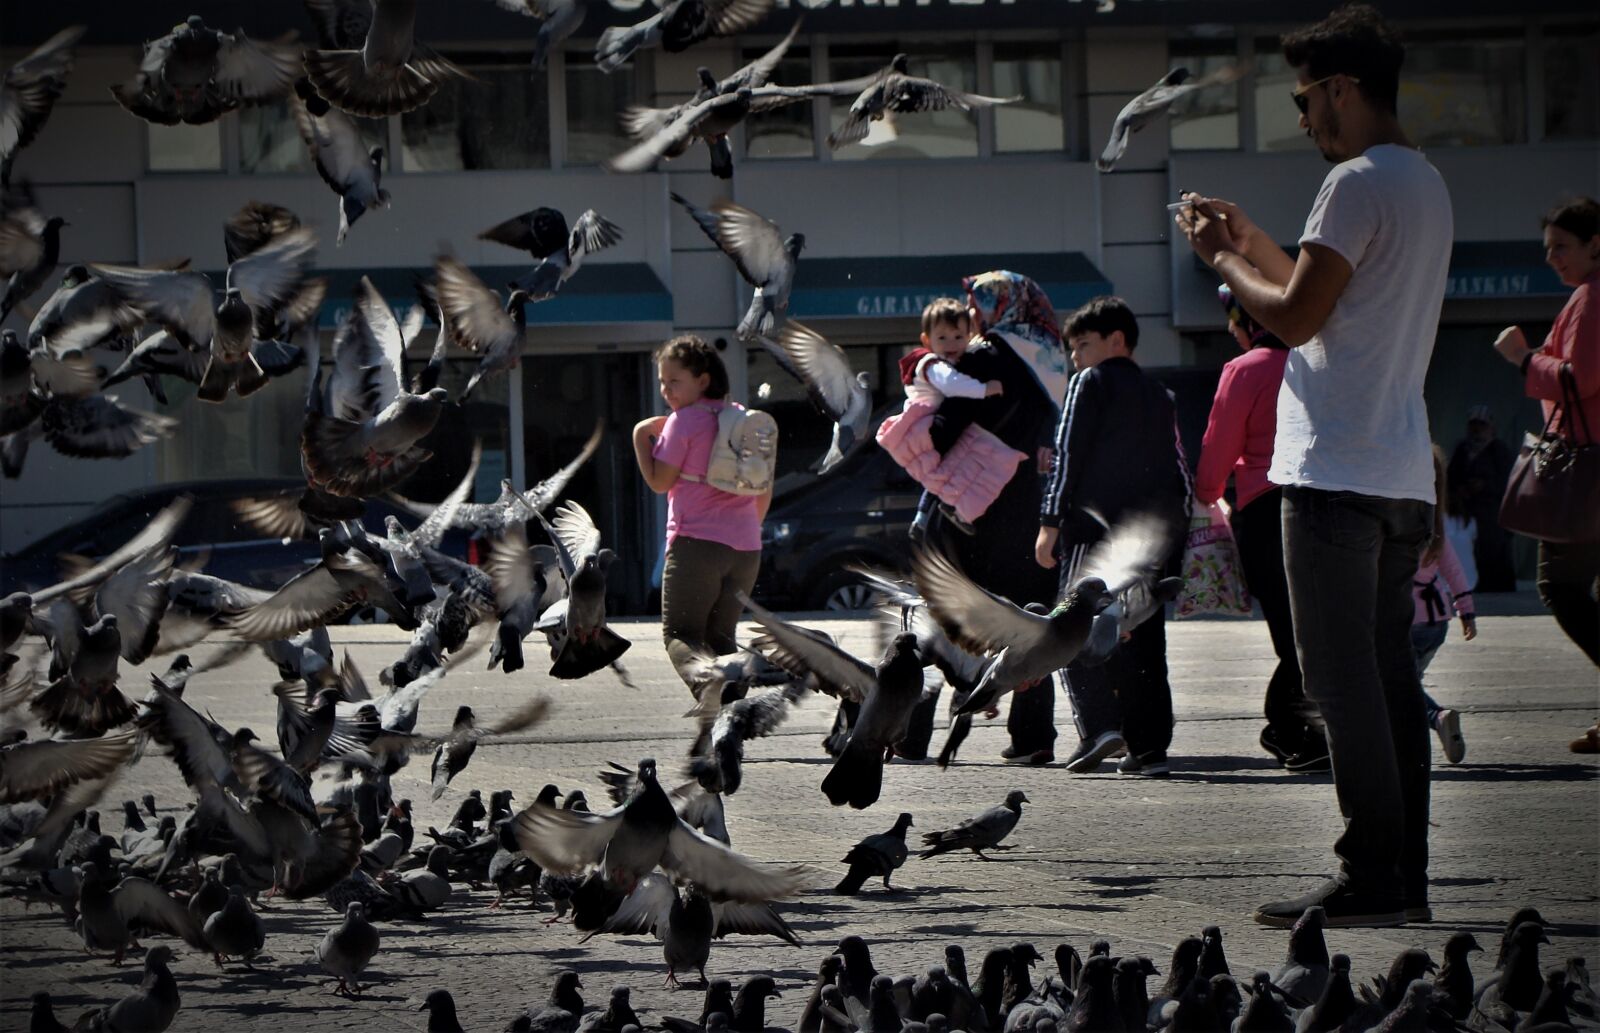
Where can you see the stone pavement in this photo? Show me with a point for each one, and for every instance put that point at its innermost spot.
(1141, 862)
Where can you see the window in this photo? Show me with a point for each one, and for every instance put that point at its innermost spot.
(951, 133)
(594, 100)
(1464, 92)
(185, 148)
(235, 440)
(269, 140)
(1207, 119)
(1033, 123)
(783, 132)
(1571, 82)
(1277, 119)
(499, 121)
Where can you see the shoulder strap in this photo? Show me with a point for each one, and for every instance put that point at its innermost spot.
(1572, 403)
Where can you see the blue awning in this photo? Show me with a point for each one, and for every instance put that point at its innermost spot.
(1488, 269)
(598, 294)
(900, 286)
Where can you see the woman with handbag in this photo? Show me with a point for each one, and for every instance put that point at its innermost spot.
(1554, 493)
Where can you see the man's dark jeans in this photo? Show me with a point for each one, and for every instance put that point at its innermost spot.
(1351, 559)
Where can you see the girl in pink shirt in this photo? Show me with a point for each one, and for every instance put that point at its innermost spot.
(1441, 590)
(713, 536)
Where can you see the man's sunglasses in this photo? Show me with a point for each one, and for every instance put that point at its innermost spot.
(1298, 94)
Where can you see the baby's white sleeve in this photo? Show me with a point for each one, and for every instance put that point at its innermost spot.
(951, 384)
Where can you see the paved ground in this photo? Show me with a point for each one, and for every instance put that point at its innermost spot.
(1139, 861)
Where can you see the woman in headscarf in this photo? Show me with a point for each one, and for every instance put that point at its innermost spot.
(1020, 347)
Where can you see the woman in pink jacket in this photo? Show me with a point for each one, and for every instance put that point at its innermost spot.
(1569, 574)
(1238, 442)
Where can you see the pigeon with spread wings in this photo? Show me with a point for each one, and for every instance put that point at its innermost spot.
(196, 74)
(543, 233)
(762, 254)
(472, 314)
(1026, 647)
(389, 73)
(360, 436)
(629, 842)
(679, 25)
(1155, 102)
(895, 91)
(28, 92)
(842, 396)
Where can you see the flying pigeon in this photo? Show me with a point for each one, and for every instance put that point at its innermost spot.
(679, 25)
(29, 90)
(388, 74)
(895, 91)
(543, 234)
(197, 74)
(1154, 102)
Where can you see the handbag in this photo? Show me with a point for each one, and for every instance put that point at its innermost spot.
(1553, 493)
(1213, 577)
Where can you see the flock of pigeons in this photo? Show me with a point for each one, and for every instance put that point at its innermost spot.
(317, 816)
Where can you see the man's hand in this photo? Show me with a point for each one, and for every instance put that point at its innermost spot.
(1208, 226)
(1047, 455)
(993, 389)
(1512, 345)
(1044, 547)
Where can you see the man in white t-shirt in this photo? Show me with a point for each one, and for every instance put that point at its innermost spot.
(1359, 306)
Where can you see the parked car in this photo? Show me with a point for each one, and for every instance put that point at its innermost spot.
(819, 525)
(212, 535)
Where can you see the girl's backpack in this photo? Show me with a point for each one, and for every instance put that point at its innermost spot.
(744, 454)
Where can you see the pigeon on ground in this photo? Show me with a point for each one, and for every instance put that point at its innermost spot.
(840, 395)
(362, 438)
(184, 304)
(1213, 962)
(108, 916)
(1027, 647)
(43, 1017)
(347, 949)
(342, 158)
(1513, 990)
(559, 1013)
(441, 1009)
(29, 90)
(877, 855)
(687, 922)
(888, 695)
(149, 1009)
(618, 1014)
(1183, 970)
(856, 973)
(679, 25)
(1018, 984)
(1507, 935)
(767, 260)
(1154, 102)
(1454, 978)
(389, 74)
(197, 74)
(427, 888)
(543, 234)
(981, 832)
(235, 930)
(1336, 1005)
(473, 316)
(630, 841)
(1305, 971)
(1129, 988)
(811, 1018)
(895, 91)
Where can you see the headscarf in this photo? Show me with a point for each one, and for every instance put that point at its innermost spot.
(1257, 333)
(1018, 310)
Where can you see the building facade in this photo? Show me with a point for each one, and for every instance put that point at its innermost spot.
(1507, 105)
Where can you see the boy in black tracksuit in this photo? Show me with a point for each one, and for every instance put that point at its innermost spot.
(1116, 453)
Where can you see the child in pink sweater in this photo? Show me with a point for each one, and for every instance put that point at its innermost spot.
(1441, 590)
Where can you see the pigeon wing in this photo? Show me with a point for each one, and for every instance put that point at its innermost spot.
(565, 841)
(541, 495)
(753, 242)
(311, 597)
(643, 910)
(759, 71)
(472, 311)
(270, 275)
(180, 301)
(541, 232)
(975, 619)
(826, 660)
(592, 232)
(723, 874)
(752, 920)
(822, 366)
(575, 533)
(140, 902)
(732, 16)
(38, 770)
(249, 70)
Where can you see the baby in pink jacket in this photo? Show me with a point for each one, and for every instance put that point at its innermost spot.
(958, 462)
